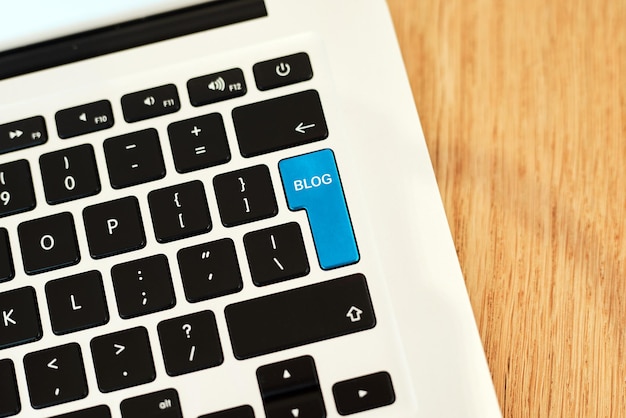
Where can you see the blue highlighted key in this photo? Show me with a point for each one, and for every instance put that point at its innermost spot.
(311, 182)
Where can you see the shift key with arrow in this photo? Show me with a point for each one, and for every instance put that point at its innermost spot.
(280, 123)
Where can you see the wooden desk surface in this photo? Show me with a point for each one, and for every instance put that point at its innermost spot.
(523, 105)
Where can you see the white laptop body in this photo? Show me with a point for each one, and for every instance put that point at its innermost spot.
(381, 325)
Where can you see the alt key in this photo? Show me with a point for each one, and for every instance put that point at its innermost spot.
(162, 404)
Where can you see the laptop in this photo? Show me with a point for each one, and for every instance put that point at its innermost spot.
(223, 209)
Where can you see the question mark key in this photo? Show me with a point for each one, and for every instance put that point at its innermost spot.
(190, 343)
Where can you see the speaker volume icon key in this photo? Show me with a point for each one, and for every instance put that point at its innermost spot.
(217, 84)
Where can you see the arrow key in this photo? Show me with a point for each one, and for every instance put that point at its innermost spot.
(55, 375)
(308, 404)
(279, 379)
(364, 393)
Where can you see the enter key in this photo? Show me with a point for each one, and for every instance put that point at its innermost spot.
(311, 182)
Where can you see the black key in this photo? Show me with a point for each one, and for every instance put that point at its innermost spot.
(123, 359)
(179, 211)
(279, 123)
(364, 393)
(216, 87)
(162, 404)
(244, 411)
(150, 103)
(7, 271)
(55, 375)
(291, 388)
(19, 323)
(100, 411)
(10, 399)
(245, 195)
(143, 286)
(209, 270)
(304, 404)
(77, 302)
(258, 326)
(114, 227)
(276, 254)
(69, 174)
(287, 377)
(84, 119)
(22, 134)
(48, 243)
(198, 143)
(16, 188)
(134, 158)
(282, 71)
(190, 343)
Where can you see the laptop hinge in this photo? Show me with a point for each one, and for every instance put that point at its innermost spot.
(127, 35)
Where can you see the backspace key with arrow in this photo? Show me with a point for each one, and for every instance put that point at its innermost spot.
(280, 123)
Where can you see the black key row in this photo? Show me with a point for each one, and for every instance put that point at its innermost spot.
(289, 389)
(347, 309)
(189, 343)
(154, 102)
(144, 286)
(137, 158)
(116, 226)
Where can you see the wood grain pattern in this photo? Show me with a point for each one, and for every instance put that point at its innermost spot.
(523, 105)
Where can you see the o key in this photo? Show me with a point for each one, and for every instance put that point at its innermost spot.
(48, 243)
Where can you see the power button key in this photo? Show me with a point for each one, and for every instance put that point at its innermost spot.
(282, 71)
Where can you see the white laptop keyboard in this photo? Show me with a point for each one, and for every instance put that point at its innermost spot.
(235, 223)
(213, 234)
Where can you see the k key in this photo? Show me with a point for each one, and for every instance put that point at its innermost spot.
(19, 317)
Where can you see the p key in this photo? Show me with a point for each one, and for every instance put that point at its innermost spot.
(114, 227)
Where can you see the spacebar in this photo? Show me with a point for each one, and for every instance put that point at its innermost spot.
(300, 316)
